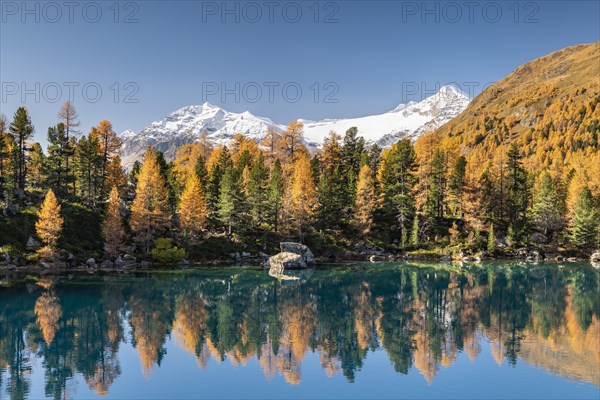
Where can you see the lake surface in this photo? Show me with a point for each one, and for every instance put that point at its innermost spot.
(397, 330)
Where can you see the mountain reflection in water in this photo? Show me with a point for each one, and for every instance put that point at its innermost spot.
(422, 315)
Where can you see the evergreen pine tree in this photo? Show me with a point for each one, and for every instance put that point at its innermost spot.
(56, 162)
(229, 201)
(491, 240)
(21, 130)
(397, 180)
(414, 233)
(276, 193)
(258, 191)
(584, 223)
(546, 209)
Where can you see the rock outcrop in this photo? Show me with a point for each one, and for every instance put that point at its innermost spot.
(302, 250)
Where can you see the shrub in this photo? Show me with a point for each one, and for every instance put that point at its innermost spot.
(165, 253)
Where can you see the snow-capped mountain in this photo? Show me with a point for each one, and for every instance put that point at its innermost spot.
(406, 120)
(186, 124)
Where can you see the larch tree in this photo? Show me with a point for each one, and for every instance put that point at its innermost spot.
(366, 200)
(192, 209)
(113, 225)
(303, 196)
(49, 223)
(292, 140)
(150, 214)
(110, 144)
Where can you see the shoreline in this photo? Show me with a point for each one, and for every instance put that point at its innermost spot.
(38, 270)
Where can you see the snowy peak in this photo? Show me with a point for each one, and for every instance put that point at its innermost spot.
(186, 124)
(407, 120)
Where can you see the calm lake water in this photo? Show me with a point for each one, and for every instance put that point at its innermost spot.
(415, 330)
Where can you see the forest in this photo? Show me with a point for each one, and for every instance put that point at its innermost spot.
(431, 197)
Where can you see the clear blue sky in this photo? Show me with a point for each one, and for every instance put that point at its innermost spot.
(372, 52)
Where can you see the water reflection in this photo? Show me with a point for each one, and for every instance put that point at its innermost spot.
(422, 316)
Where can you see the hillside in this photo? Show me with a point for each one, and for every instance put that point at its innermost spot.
(548, 106)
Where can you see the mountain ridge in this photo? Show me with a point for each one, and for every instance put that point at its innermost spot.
(186, 124)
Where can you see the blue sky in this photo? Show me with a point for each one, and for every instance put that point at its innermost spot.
(364, 57)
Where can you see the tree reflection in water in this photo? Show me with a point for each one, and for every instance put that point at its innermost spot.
(421, 315)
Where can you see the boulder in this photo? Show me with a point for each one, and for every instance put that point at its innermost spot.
(595, 257)
(71, 261)
(107, 264)
(145, 264)
(44, 265)
(286, 260)
(539, 238)
(33, 244)
(91, 263)
(303, 251)
(184, 263)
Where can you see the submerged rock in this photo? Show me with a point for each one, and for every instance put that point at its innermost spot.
(286, 260)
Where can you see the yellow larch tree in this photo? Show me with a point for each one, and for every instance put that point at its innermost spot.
(150, 209)
(192, 210)
(113, 224)
(50, 223)
(366, 199)
(303, 194)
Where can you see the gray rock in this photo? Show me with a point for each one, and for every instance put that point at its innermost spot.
(71, 261)
(145, 264)
(299, 249)
(107, 264)
(33, 244)
(44, 265)
(129, 257)
(5, 259)
(245, 254)
(286, 260)
(595, 257)
(376, 258)
(12, 267)
(90, 263)
(235, 256)
(125, 262)
(184, 263)
(539, 238)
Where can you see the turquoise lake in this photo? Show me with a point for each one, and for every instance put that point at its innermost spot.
(350, 331)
